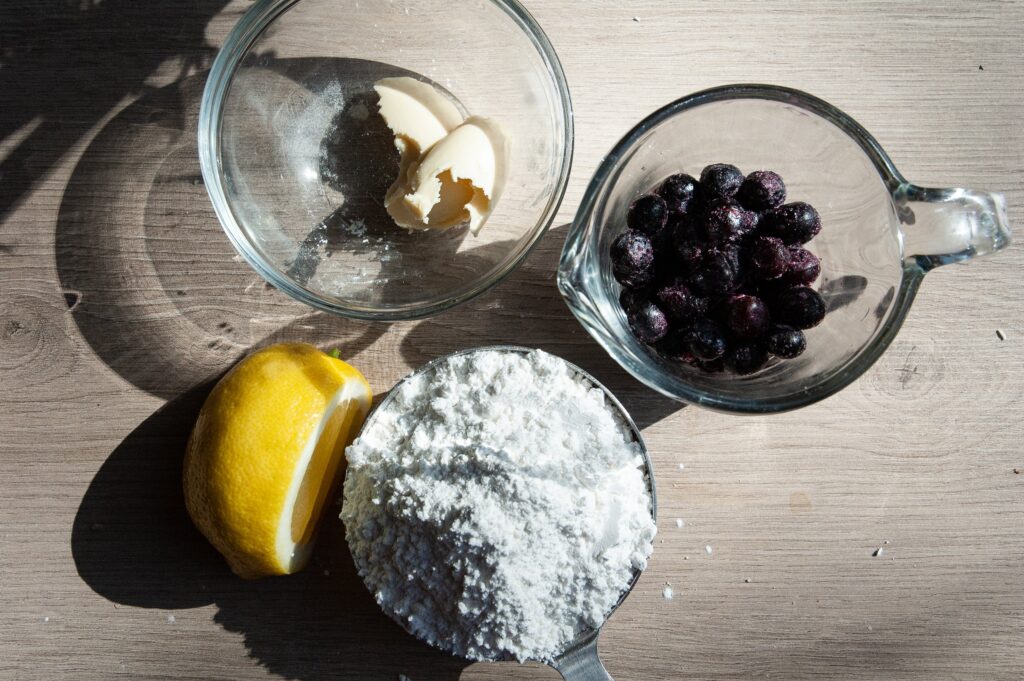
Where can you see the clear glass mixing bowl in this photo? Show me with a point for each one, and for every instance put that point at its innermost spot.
(880, 235)
(297, 161)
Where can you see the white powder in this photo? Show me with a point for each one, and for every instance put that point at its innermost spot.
(497, 507)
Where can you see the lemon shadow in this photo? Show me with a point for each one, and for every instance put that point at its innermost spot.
(133, 543)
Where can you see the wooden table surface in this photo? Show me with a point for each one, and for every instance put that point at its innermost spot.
(120, 299)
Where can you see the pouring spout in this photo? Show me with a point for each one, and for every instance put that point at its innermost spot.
(943, 226)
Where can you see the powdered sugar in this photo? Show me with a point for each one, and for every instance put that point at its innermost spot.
(497, 507)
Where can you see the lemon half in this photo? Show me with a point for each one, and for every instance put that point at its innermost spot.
(265, 453)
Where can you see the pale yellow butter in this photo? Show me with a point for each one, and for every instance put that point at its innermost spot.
(451, 171)
(460, 177)
(419, 116)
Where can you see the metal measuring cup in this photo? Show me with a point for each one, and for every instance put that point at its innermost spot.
(579, 661)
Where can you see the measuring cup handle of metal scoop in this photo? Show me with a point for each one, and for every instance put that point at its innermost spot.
(581, 663)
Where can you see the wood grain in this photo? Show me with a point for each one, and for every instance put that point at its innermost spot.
(120, 300)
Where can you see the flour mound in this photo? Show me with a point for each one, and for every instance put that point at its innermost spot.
(497, 507)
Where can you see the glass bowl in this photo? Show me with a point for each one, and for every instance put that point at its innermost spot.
(880, 235)
(297, 161)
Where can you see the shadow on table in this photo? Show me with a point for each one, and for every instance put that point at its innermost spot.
(64, 64)
(133, 543)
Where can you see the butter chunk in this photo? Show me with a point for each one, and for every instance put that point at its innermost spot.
(460, 178)
(451, 170)
(419, 116)
(416, 112)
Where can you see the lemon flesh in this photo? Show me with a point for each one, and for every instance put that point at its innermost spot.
(265, 454)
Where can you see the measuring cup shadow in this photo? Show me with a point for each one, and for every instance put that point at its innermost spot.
(133, 544)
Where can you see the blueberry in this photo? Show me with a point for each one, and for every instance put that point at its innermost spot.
(675, 347)
(751, 220)
(801, 307)
(691, 255)
(734, 255)
(726, 221)
(785, 341)
(632, 251)
(681, 304)
(746, 358)
(633, 259)
(746, 316)
(803, 267)
(714, 272)
(707, 340)
(795, 223)
(769, 258)
(632, 298)
(687, 240)
(721, 179)
(635, 279)
(678, 191)
(648, 323)
(762, 190)
(718, 272)
(648, 214)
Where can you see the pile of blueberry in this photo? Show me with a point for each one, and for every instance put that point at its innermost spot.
(715, 273)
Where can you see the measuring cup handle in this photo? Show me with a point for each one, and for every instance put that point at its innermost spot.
(581, 663)
(942, 226)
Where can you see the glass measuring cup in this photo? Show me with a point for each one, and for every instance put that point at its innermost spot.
(579, 660)
(880, 236)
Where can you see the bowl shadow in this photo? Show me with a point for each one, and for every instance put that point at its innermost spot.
(134, 544)
(152, 283)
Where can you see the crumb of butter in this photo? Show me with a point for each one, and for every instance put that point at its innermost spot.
(451, 170)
